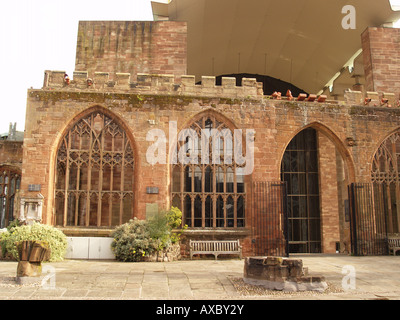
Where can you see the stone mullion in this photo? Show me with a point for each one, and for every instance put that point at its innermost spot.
(7, 196)
(110, 197)
(89, 178)
(235, 197)
(193, 195)
(225, 198)
(121, 199)
(100, 187)
(67, 181)
(203, 197)
(77, 197)
(397, 186)
(78, 178)
(182, 177)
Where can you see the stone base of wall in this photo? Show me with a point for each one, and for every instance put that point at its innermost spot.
(173, 253)
(275, 273)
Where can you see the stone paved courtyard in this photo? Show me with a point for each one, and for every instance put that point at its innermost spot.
(375, 278)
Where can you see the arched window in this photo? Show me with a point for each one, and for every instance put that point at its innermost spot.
(10, 181)
(94, 179)
(386, 181)
(208, 187)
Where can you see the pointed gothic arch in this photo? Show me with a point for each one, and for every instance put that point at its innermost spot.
(10, 181)
(386, 180)
(302, 168)
(209, 190)
(94, 172)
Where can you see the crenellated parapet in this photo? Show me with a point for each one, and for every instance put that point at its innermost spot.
(372, 99)
(153, 84)
(185, 85)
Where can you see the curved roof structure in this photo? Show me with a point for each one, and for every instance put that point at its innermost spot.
(298, 41)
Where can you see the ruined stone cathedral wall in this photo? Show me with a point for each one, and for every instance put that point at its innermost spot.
(349, 132)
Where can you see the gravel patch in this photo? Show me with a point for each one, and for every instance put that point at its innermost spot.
(245, 289)
(10, 282)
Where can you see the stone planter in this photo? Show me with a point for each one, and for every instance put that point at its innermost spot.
(281, 274)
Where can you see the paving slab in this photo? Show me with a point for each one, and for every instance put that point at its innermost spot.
(374, 278)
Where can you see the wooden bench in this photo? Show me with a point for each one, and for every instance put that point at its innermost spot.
(394, 243)
(215, 247)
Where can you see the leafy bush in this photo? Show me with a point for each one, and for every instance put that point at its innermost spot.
(132, 241)
(174, 219)
(138, 238)
(55, 238)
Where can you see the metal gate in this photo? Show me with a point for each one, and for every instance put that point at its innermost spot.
(269, 219)
(368, 219)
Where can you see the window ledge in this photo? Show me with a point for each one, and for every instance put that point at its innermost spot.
(87, 231)
(217, 232)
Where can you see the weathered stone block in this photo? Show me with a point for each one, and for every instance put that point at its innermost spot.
(273, 261)
(282, 274)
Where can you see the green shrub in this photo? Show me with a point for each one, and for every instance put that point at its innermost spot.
(3, 242)
(139, 238)
(174, 218)
(132, 241)
(55, 238)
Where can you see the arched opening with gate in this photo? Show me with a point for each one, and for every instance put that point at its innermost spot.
(316, 170)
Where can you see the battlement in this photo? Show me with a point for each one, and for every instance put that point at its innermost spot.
(185, 85)
(153, 84)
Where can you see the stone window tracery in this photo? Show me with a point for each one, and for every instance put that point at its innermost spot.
(386, 180)
(210, 189)
(95, 174)
(10, 180)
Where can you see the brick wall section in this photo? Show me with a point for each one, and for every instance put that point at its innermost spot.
(328, 194)
(131, 47)
(381, 53)
(11, 153)
(51, 110)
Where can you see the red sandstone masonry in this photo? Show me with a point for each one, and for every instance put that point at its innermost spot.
(132, 47)
(381, 52)
(162, 99)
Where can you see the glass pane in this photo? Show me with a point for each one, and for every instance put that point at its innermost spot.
(229, 180)
(312, 183)
(176, 179)
(188, 179)
(230, 212)
(197, 212)
(208, 212)
(286, 162)
(208, 180)
(240, 183)
(12, 189)
(315, 229)
(240, 208)
(188, 211)
(220, 179)
(313, 206)
(312, 161)
(197, 179)
(220, 212)
(176, 202)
